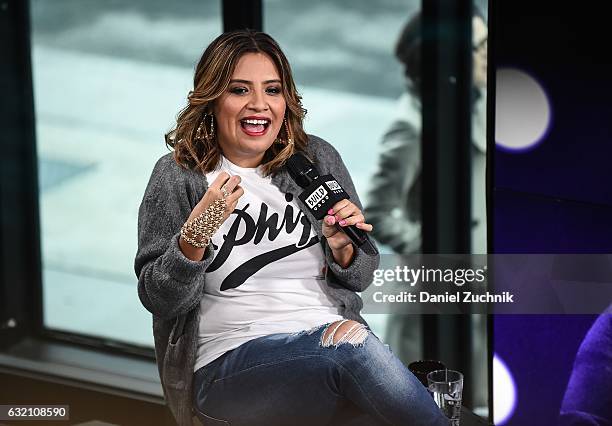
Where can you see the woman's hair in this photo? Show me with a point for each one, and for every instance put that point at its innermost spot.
(212, 77)
(408, 48)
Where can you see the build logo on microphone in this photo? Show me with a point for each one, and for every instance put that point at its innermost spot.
(315, 199)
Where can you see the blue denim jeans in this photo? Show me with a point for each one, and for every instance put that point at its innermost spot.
(298, 379)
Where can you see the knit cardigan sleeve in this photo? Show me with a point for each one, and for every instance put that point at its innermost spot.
(169, 284)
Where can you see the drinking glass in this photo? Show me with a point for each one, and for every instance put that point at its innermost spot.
(446, 387)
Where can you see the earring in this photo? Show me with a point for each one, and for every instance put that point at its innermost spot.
(289, 140)
(209, 135)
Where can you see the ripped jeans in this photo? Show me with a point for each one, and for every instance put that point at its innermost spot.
(334, 374)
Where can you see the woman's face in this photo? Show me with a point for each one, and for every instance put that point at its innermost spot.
(250, 113)
(479, 40)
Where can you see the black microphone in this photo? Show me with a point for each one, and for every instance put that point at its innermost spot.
(320, 194)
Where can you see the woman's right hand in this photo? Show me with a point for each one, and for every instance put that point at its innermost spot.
(213, 193)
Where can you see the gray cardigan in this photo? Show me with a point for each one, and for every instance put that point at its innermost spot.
(170, 285)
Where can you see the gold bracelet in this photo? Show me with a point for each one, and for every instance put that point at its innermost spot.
(199, 231)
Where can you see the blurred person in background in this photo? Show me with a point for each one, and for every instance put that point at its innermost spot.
(588, 397)
(394, 198)
(256, 316)
(394, 206)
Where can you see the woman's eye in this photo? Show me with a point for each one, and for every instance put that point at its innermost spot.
(238, 90)
(274, 90)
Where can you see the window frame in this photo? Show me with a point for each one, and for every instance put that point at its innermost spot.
(21, 290)
(27, 347)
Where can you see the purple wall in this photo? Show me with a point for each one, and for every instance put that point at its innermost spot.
(556, 198)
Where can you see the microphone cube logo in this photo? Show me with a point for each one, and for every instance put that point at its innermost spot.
(333, 185)
(318, 195)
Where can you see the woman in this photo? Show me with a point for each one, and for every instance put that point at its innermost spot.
(255, 312)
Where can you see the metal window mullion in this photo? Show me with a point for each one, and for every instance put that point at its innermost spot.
(20, 268)
(446, 159)
(241, 14)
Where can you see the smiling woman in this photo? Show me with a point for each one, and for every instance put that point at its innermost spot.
(237, 79)
(254, 301)
(250, 114)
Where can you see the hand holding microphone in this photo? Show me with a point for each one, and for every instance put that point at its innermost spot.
(343, 214)
(323, 196)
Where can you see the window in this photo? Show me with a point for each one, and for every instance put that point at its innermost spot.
(109, 78)
(343, 57)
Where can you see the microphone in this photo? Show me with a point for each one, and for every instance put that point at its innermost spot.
(320, 194)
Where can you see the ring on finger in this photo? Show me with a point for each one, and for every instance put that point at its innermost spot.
(225, 192)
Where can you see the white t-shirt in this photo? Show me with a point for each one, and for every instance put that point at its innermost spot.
(267, 273)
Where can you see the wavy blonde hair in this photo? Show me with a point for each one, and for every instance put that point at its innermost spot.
(212, 77)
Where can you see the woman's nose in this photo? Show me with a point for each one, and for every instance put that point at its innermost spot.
(257, 102)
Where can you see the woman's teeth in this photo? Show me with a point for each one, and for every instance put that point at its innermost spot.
(256, 121)
(254, 126)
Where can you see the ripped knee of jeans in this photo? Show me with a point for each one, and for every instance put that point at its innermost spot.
(345, 331)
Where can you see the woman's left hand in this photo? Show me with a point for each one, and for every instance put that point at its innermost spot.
(345, 213)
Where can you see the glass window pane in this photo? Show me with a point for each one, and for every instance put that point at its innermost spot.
(109, 78)
(355, 68)
(342, 56)
(341, 53)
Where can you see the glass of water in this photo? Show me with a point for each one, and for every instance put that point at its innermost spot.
(446, 387)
